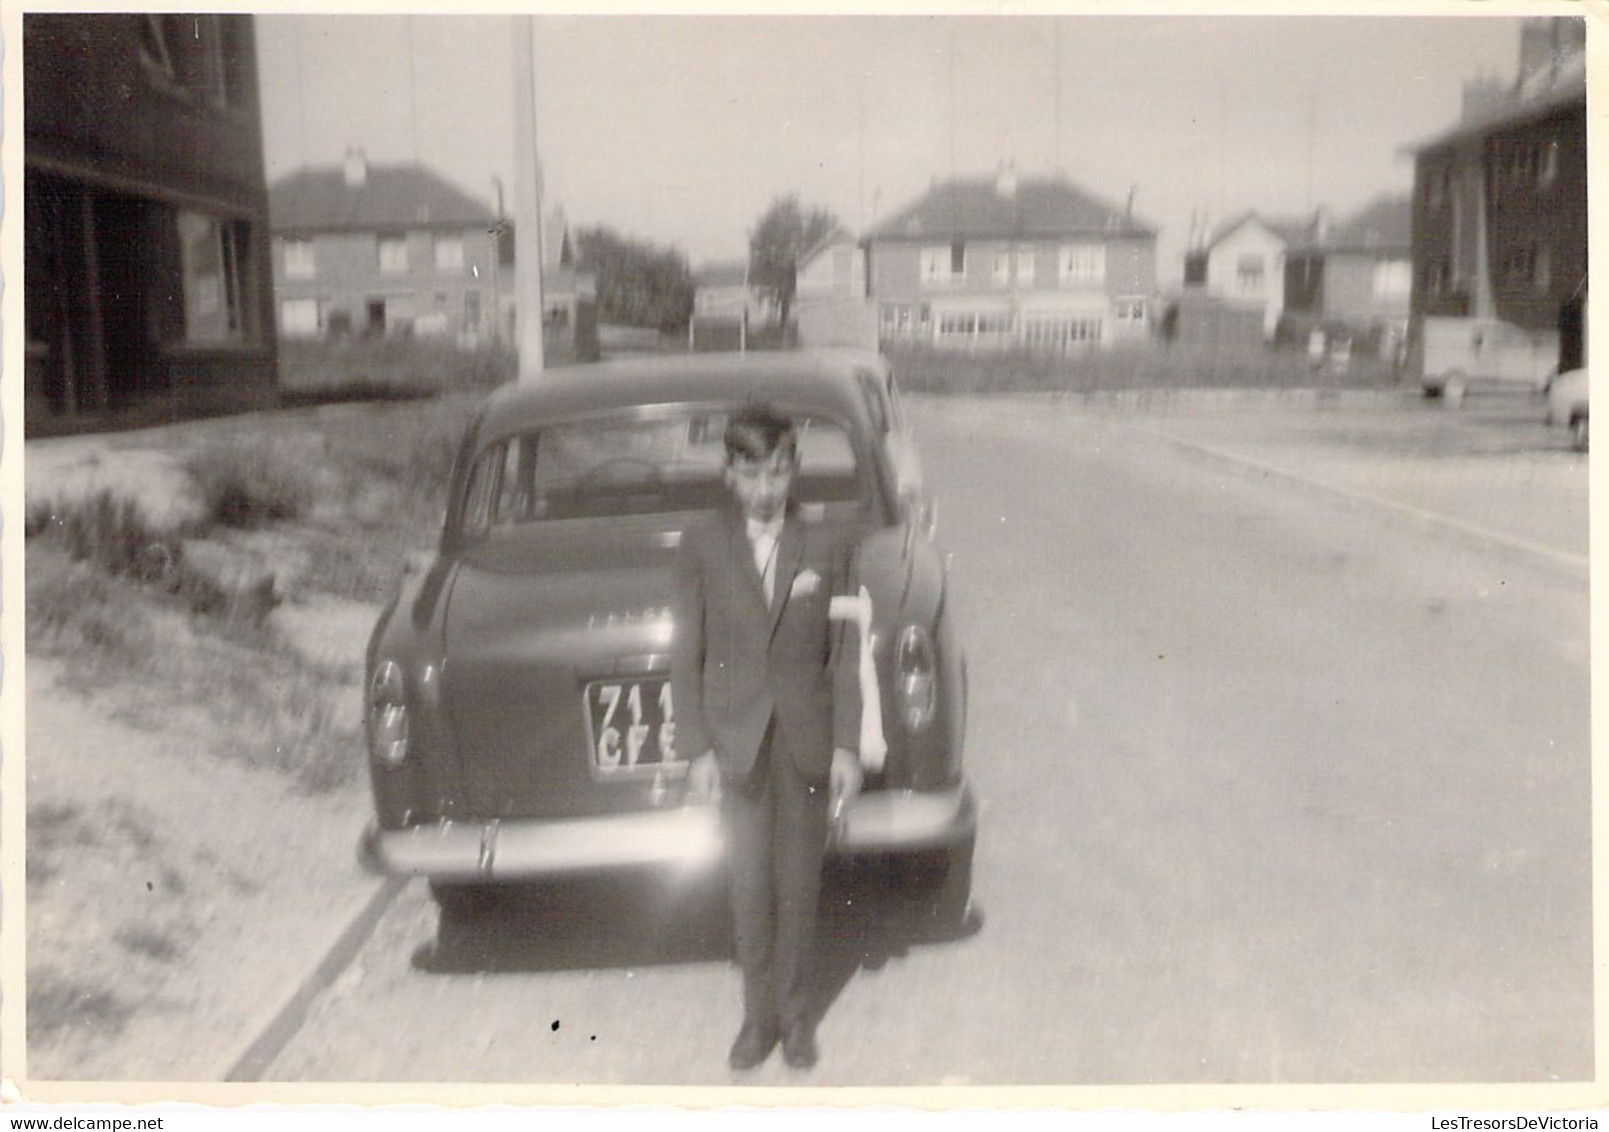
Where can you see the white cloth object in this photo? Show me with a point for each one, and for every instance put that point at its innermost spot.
(873, 743)
(764, 536)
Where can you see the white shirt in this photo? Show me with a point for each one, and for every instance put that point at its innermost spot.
(763, 537)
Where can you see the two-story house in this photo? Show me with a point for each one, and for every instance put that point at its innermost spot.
(1357, 277)
(146, 261)
(1500, 206)
(988, 263)
(383, 250)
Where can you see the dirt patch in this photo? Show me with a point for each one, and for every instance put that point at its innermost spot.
(174, 897)
(195, 779)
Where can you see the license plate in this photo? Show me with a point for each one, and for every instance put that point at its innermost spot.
(631, 725)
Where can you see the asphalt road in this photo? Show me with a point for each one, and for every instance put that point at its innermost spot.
(1279, 787)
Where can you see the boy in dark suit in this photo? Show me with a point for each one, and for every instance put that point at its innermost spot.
(766, 691)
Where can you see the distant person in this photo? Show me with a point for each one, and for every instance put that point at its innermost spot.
(766, 693)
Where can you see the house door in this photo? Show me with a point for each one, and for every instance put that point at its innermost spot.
(128, 235)
(376, 323)
(1572, 334)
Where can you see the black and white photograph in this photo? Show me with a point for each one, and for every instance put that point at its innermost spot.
(735, 555)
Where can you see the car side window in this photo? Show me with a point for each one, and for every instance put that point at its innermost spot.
(483, 480)
(896, 409)
(876, 400)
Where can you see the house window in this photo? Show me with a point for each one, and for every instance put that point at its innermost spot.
(897, 320)
(393, 254)
(1025, 269)
(1393, 279)
(1129, 310)
(1438, 185)
(1002, 269)
(211, 254)
(449, 253)
(1061, 332)
(299, 260)
(1083, 263)
(943, 266)
(1548, 171)
(1438, 276)
(301, 318)
(1249, 275)
(1527, 265)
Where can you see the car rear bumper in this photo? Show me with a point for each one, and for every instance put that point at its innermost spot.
(690, 837)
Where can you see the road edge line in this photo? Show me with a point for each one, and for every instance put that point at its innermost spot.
(272, 1038)
(1575, 563)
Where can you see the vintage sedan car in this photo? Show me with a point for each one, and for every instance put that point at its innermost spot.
(520, 721)
(1567, 406)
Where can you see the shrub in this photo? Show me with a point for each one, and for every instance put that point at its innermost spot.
(110, 533)
(249, 485)
(350, 368)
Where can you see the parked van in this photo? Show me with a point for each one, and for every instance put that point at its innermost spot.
(1462, 354)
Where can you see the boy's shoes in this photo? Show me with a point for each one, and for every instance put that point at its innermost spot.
(799, 1046)
(754, 1043)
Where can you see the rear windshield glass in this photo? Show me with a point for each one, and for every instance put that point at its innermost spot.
(635, 465)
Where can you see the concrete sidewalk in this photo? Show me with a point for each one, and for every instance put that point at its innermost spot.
(1492, 466)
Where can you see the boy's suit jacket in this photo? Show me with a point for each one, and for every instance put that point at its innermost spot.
(734, 661)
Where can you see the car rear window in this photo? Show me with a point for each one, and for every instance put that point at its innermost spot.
(635, 464)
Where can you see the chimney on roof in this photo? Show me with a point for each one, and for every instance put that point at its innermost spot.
(357, 168)
(1005, 181)
(1321, 225)
(1128, 208)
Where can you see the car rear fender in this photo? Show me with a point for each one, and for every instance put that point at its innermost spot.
(410, 633)
(905, 578)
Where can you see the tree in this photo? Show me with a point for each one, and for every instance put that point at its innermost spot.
(786, 231)
(638, 283)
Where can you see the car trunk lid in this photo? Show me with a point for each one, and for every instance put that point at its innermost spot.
(558, 684)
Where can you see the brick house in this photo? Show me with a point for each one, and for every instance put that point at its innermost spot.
(989, 263)
(383, 250)
(1500, 200)
(146, 261)
(1358, 277)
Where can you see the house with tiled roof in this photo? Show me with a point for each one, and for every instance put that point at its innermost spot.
(1245, 260)
(1357, 276)
(383, 250)
(1003, 261)
(1499, 234)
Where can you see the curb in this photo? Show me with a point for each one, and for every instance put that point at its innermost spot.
(1187, 400)
(1576, 565)
(260, 1052)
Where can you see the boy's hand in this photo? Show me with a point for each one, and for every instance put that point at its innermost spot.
(843, 782)
(704, 778)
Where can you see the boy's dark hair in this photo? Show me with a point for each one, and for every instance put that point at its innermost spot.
(757, 430)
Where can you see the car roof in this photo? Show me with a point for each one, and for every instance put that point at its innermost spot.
(825, 381)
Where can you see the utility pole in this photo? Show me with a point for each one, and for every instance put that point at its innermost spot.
(497, 263)
(527, 204)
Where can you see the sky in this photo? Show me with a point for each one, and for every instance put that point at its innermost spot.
(681, 129)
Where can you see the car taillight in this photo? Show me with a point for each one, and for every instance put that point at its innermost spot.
(388, 715)
(915, 679)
